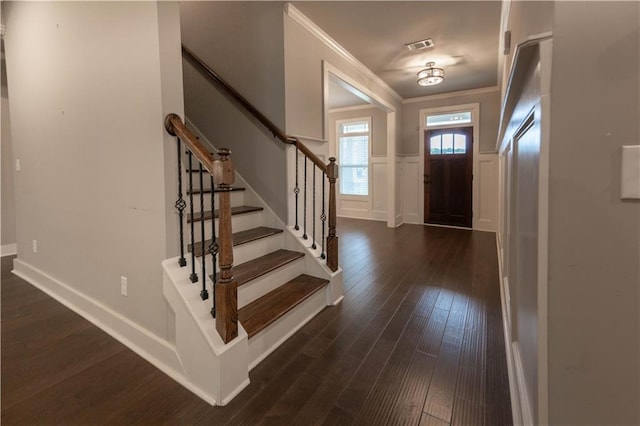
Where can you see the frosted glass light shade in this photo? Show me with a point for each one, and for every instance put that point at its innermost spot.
(430, 75)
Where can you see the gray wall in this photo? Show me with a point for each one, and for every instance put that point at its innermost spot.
(594, 241)
(243, 43)
(526, 18)
(87, 103)
(489, 119)
(378, 126)
(8, 226)
(304, 54)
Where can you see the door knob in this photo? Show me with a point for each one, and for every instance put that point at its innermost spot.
(426, 179)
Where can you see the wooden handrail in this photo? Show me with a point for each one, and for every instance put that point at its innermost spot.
(273, 129)
(174, 125)
(330, 170)
(222, 171)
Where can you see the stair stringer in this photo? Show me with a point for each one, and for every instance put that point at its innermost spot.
(217, 371)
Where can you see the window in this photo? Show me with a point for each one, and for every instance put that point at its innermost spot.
(448, 143)
(353, 152)
(448, 119)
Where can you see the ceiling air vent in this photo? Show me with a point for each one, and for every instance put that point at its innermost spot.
(422, 44)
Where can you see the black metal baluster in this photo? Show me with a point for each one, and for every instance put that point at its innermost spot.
(193, 277)
(313, 207)
(296, 191)
(323, 216)
(304, 213)
(181, 205)
(213, 249)
(204, 294)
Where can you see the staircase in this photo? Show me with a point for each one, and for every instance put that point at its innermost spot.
(271, 279)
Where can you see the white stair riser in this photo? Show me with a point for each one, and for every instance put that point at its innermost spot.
(241, 222)
(249, 251)
(260, 286)
(237, 199)
(265, 342)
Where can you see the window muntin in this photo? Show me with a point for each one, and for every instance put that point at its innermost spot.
(447, 144)
(353, 151)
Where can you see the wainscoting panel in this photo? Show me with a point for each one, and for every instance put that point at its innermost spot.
(375, 205)
(486, 214)
(411, 187)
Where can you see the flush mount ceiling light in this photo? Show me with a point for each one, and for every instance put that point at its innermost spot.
(430, 76)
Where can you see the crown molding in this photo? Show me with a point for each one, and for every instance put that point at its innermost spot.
(352, 108)
(452, 94)
(325, 38)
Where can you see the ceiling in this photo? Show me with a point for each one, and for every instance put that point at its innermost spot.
(466, 37)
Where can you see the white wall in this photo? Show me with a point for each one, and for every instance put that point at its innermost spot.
(589, 346)
(86, 108)
(8, 226)
(243, 43)
(594, 237)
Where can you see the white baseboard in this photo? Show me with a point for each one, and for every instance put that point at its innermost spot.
(363, 217)
(525, 407)
(8, 249)
(155, 350)
(516, 409)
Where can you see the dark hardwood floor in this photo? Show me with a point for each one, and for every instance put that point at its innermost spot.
(417, 340)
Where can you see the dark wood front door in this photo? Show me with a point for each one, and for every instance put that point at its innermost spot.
(448, 166)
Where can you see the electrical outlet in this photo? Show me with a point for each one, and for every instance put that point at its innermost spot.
(123, 286)
(35, 246)
(17, 164)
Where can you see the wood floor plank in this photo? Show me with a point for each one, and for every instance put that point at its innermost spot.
(30, 372)
(439, 402)
(420, 328)
(384, 395)
(428, 420)
(252, 412)
(412, 392)
(467, 412)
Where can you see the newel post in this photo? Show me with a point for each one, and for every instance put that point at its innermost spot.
(226, 293)
(332, 238)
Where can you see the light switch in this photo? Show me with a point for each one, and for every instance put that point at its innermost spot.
(630, 183)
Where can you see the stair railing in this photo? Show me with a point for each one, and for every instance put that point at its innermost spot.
(328, 171)
(221, 175)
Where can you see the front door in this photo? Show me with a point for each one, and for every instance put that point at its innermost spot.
(448, 166)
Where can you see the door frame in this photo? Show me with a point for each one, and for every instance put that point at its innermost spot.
(468, 172)
(393, 214)
(475, 123)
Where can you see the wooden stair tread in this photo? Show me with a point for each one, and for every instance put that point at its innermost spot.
(262, 265)
(254, 234)
(239, 238)
(262, 312)
(217, 190)
(234, 211)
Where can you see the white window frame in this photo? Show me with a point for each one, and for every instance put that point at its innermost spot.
(369, 134)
